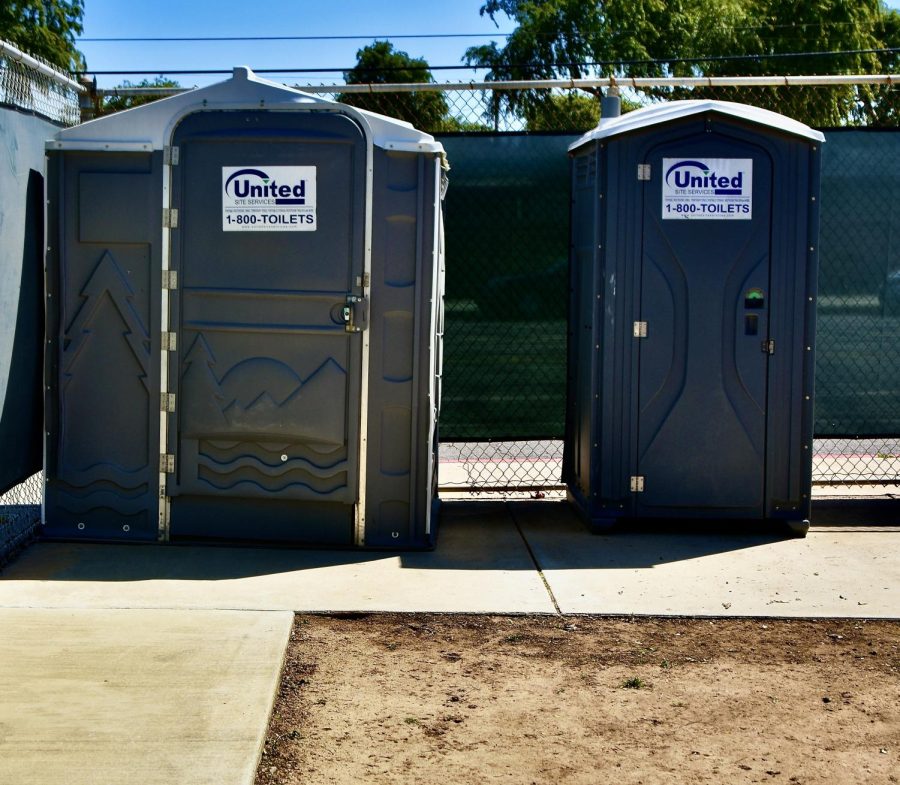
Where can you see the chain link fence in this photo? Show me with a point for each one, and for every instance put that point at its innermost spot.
(507, 224)
(20, 513)
(507, 221)
(31, 85)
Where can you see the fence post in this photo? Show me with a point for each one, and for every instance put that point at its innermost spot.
(89, 101)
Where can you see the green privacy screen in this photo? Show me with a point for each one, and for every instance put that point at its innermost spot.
(507, 224)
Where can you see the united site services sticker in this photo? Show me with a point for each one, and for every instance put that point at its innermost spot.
(269, 198)
(708, 189)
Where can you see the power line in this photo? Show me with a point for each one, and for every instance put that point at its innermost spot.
(200, 38)
(294, 37)
(511, 66)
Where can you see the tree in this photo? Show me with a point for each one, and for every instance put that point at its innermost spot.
(45, 28)
(379, 63)
(570, 111)
(118, 103)
(576, 39)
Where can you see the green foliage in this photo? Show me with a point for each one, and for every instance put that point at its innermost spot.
(45, 28)
(556, 38)
(563, 112)
(118, 103)
(634, 683)
(379, 63)
(572, 111)
(451, 124)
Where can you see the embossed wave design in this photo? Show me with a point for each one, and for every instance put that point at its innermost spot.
(226, 465)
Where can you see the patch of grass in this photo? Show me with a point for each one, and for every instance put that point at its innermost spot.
(392, 646)
(634, 683)
(411, 721)
(665, 664)
(515, 638)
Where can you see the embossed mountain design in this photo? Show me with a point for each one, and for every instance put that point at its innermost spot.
(315, 409)
(261, 398)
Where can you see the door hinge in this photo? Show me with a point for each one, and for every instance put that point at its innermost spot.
(170, 156)
(166, 463)
(637, 484)
(170, 217)
(167, 402)
(168, 342)
(170, 279)
(640, 329)
(643, 172)
(768, 347)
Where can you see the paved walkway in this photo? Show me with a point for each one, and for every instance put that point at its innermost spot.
(93, 697)
(492, 557)
(159, 664)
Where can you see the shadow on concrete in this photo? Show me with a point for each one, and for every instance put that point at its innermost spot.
(559, 539)
(857, 513)
(478, 536)
(474, 536)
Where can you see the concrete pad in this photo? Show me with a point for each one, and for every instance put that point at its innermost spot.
(481, 565)
(832, 573)
(136, 697)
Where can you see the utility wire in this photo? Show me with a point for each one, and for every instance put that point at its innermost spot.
(497, 34)
(507, 66)
(296, 37)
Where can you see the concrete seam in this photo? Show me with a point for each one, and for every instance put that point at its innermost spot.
(534, 560)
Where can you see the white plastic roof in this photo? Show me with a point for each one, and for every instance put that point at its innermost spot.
(674, 110)
(149, 127)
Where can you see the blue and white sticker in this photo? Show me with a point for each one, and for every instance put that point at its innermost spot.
(719, 189)
(269, 198)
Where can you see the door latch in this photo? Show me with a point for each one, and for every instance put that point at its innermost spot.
(355, 314)
(768, 347)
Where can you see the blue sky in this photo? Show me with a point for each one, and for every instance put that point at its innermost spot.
(148, 18)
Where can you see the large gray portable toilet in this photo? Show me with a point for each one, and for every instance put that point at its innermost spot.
(244, 304)
(692, 315)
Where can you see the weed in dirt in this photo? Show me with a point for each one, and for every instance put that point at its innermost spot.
(391, 646)
(411, 721)
(516, 638)
(665, 665)
(634, 683)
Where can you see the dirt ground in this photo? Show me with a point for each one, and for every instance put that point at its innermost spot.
(431, 699)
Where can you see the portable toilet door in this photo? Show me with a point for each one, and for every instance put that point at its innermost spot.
(267, 375)
(699, 323)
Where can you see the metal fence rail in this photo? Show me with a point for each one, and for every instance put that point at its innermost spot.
(34, 86)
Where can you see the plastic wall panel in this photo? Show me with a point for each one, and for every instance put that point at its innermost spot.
(103, 352)
(402, 320)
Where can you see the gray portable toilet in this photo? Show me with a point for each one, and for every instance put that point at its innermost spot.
(692, 315)
(244, 319)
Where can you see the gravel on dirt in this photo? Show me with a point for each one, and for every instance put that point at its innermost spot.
(440, 699)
